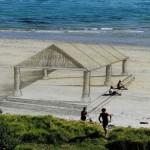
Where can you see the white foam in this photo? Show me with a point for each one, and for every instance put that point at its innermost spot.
(134, 31)
(106, 29)
(84, 30)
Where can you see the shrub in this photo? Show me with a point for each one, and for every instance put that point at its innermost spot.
(50, 130)
(129, 139)
(8, 140)
(88, 145)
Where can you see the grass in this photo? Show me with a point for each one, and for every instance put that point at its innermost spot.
(50, 133)
(87, 144)
(129, 139)
(53, 133)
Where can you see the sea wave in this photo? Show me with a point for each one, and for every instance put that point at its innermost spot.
(84, 30)
(130, 36)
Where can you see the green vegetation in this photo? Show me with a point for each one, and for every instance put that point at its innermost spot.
(129, 139)
(50, 133)
(7, 138)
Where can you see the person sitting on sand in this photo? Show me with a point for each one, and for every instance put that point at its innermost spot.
(104, 115)
(83, 114)
(120, 86)
(112, 91)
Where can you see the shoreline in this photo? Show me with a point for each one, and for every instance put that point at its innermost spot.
(136, 38)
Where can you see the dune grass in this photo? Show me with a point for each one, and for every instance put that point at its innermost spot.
(53, 133)
(50, 133)
(86, 145)
(129, 139)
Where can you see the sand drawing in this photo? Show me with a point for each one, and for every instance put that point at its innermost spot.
(60, 78)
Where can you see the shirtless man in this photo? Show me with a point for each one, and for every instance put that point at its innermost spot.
(103, 118)
(120, 86)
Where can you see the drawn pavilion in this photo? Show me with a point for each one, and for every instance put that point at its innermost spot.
(73, 56)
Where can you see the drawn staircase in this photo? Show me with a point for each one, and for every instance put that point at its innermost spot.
(101, 101)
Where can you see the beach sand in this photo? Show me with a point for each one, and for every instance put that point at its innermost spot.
(128, 110)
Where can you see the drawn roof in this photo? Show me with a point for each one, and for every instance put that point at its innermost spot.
(75, 55)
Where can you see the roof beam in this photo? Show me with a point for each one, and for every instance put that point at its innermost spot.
(50, 68)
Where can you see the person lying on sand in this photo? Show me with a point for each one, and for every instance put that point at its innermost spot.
(113, 92)
(120, 86)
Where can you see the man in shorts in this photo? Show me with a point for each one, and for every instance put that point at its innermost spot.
(83, 114)
(103, 118)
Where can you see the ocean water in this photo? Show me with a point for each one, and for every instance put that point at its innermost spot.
(75, 15)
(99, 21)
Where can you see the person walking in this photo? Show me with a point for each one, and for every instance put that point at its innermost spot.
(103, 118)
(83, 114)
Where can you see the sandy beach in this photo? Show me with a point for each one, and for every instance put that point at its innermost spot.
(128, 110)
